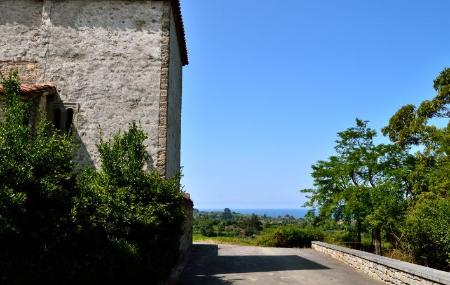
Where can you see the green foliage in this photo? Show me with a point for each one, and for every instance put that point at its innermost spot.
(290, 236)
(343, 237)
(227, 215)
(126, 205)
(120, 224)
(388, 189)
(411, 126)
(36, 184)
(251, 225)
(207, 230)
(427, 225)
(222, 224)
(363, 184)
(427, 231)
(36, 189)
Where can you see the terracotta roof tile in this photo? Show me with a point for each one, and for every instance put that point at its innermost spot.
(33, 89)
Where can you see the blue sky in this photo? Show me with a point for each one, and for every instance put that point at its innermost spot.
(271, 82)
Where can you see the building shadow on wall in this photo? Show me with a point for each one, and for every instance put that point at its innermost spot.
(208, 267)
(82, 155)
(64, 117)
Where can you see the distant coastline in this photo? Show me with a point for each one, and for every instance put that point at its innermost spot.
(297, 213)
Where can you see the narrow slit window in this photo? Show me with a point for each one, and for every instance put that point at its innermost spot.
(69, 120)
(57, 118)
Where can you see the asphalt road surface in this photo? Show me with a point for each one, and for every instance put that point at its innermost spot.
(213, 264)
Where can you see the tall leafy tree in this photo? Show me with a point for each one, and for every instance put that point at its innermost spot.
(362, 184)
(411, 126)
(427, 128)
(227, 215)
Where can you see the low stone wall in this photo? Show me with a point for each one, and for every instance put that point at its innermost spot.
(186, 238)
(388, 270)
(185, 241)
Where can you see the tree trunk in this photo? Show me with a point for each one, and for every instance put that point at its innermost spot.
(358, 232)
(376, 241)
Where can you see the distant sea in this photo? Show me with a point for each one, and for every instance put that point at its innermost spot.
(297, 213)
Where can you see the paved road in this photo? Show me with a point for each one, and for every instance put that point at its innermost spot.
(243, 265)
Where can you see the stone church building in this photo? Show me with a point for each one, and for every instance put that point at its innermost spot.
(97, 65)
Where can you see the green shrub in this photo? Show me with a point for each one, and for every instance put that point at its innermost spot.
(339, 237)
(290, 236)
(250, 225)
(117, 225)
(37, 188)
(207, 229)
(135, 213)
(427, 231)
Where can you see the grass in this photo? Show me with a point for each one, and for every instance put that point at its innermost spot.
(225, 240)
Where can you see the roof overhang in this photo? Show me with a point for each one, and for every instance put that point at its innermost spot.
(33, 90)
(176, 7)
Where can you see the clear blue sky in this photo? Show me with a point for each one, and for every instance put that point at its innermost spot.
(271, 82)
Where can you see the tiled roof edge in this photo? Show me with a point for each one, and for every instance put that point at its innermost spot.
(176, 6)
(33, 89)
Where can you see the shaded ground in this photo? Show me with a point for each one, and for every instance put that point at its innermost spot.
(241, 265)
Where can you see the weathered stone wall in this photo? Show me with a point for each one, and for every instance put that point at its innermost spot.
(113, 62)
(103, 55)
(388, 270)
(174, 103)
(27, 70)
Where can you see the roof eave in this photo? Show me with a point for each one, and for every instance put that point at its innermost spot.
(181, 35)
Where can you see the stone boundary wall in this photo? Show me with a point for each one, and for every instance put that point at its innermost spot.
(186, 238)
(386, 269)
(185, 242)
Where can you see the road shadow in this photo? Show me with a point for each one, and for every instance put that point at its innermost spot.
(206, 266)
(206, 280)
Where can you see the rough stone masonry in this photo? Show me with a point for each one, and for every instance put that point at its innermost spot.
(112, 62)
(388, 270)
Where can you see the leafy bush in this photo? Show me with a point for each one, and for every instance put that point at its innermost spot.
(133, 213)
(340, 237)
(427, 231)
(207, 229)
(250, 225)
(120, 224)
(290, 236)
(37, 188)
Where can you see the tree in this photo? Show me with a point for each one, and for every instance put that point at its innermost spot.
(251, 225)
(362, 184)
(310, 217)
(227, 215)
(410, 126)
(427, 231)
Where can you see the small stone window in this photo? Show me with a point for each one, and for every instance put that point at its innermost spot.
(63, 116)
(57, 118)
(69, 119)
